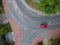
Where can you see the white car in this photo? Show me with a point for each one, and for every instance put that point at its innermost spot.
(10, 37)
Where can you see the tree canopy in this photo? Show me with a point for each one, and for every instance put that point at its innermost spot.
(49, 6)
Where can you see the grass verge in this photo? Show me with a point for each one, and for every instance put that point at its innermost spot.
(48, 7)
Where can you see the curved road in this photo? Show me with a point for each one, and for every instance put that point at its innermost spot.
(29, 22)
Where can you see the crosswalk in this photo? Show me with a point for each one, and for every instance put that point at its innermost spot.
(13, 2)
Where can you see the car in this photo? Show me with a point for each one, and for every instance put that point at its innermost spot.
(10, 37)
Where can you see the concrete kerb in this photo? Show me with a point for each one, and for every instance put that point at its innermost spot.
(38, 12)
(5, 5)
(16, 31)
(24, 3)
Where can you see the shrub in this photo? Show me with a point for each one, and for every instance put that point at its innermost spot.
(49, 6)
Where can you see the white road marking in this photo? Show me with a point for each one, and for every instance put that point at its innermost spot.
(14, 4)
(52, 23)
(12, 15)
(17, 8)
(9, 1)
(19, 12)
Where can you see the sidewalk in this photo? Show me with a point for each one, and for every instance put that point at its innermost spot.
(15, 31)
(36, 40)
(54, 34)
(13, 25)
(5, 5)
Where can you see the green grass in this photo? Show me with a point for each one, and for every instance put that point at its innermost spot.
(4, 29)
(46, 6)
(49, 6)
(1, 6)
(55, 41)
(51, 42)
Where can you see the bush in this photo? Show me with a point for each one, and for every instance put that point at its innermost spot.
(4, 29)
(1, 7)
(55, 41)
(49, 6)
(40, 43)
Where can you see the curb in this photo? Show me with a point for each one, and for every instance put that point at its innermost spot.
(15, 31)
(39, 13)
(5, 5)
(36, 40)
(24, 3)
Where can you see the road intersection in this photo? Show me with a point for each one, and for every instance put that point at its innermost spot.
(29, 22)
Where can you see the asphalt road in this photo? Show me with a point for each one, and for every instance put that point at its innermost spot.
(29, 22)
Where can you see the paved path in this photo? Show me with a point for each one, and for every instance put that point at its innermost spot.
(15, 31)
(13, 25)
(5, 5)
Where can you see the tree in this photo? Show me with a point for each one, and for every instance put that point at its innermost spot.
(49, 6)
